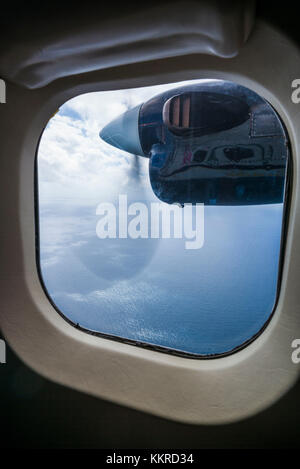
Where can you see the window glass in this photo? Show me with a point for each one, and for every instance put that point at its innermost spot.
(160, 213)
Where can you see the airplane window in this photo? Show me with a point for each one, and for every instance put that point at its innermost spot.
(160, 214)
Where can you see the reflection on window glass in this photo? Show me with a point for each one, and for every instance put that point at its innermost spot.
(160, 213)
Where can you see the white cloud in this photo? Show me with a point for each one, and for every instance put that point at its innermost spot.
(74, 163)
